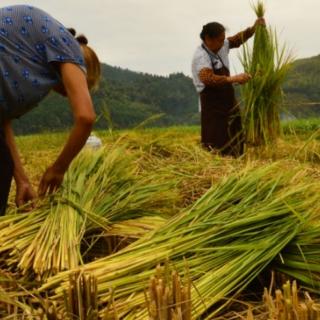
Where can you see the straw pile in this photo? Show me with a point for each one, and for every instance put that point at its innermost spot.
(228, 236)
(100, 188)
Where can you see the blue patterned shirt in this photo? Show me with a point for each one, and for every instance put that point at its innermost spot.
(30, 40)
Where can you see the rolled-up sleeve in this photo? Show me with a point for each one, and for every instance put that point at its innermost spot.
(209, 78)
(201, 61)
(203, 74)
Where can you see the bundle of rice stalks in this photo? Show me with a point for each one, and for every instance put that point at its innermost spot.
(287, 304)
(262, 96)
(81, 298)
(136, 228)
(118, 236)
(228, 237)
(100, 188)
(300, 260)
(80, 302)
(168, 298)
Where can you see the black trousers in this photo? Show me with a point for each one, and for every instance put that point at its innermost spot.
(6, 172)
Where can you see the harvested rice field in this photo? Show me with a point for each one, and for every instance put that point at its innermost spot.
(151, 226)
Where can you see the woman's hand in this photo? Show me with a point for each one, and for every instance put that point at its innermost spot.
(25, 194)
(259, 22)
(240, 78)
(50, 181)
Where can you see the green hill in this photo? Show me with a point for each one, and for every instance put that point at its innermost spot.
(131, 97)
(302, 88)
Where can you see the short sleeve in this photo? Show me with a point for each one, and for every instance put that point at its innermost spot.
(64, 49)
(201, 61)
(30, 39)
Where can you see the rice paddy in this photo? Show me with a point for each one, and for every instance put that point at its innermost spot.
(151, 226)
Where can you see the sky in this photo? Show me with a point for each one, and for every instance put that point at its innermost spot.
(160, 36)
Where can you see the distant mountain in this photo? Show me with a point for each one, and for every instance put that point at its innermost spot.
(126, 98)
(302, 88)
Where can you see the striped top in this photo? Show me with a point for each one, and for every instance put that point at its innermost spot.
(30, 40)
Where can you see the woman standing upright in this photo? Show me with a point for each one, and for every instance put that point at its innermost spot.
(38, 54)
(221, 127)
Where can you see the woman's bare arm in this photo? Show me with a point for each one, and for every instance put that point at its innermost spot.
(75, 86)
(25, 192)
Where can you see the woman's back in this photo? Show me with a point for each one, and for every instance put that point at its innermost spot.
(30, 42)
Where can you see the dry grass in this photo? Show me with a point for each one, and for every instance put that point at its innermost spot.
(174, 155)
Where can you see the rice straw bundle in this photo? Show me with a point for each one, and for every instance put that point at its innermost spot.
(100, 188)
(80, 301)
(262, 96)
(287, 304)
(136, 228)
(301, 259)
(228, 237)
(168, 296)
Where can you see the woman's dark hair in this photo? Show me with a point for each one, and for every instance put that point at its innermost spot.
(80, 38)
(212, 30)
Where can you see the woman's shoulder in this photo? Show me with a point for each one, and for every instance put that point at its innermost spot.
(199, 53)
(10, 15)
(21, 8)
(25, 19)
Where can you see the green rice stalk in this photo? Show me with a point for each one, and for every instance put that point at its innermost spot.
(262, 96)
(100, 188)
(229, 236)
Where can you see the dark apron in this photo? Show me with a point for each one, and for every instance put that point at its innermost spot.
(221, 127)
(6, 172)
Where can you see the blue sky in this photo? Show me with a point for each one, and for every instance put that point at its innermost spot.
(159, 37)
